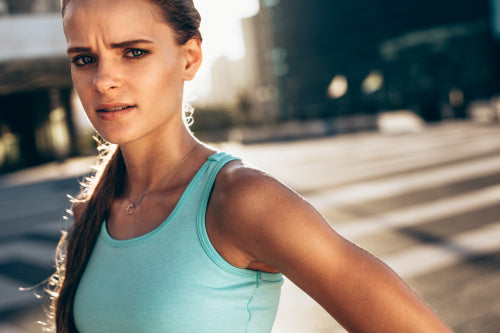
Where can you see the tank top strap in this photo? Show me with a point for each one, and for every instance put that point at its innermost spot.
(217, 162)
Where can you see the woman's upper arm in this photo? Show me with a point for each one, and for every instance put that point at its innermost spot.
(271, 224)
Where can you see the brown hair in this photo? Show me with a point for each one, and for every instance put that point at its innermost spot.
(93, 204)
(180, 15)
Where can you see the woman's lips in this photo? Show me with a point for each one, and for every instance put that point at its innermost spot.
(118, 108)
(113, 111)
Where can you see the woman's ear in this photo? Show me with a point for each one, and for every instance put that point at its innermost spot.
(193, 57)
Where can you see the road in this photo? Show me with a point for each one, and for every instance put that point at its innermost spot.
(426, 203)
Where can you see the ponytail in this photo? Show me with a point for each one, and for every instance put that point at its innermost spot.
(89, 210)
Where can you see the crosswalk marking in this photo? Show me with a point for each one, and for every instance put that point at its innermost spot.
(38, 252)
(431, 257)
(401, 184)
(419, 214)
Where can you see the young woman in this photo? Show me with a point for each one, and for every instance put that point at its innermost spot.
(173, 236)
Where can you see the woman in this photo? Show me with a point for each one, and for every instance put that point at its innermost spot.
(173, 236)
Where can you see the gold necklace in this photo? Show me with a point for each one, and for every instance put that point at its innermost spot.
(133, 204)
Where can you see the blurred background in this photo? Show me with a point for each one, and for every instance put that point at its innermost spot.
(339, 65)
(395, 103)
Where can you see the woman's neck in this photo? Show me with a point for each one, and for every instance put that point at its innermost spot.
(148, 163)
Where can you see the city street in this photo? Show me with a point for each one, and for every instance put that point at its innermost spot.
(427, 203)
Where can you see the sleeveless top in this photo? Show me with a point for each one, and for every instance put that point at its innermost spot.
(172, 279)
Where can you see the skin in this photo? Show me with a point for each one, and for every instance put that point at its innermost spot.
(254, 221)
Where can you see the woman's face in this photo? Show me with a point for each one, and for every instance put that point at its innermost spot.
(127, 67)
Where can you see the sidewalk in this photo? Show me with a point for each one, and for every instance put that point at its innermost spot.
(70, 168)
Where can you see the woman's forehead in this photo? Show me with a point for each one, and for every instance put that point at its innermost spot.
(116, 20)
(133, 9)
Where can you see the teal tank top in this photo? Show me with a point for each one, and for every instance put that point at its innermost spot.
(172, 279)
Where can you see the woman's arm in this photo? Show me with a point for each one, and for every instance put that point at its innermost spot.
(258, 223)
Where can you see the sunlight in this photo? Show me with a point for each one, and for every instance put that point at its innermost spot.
(222, 34)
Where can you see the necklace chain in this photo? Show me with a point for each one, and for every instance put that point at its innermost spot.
(133, 204)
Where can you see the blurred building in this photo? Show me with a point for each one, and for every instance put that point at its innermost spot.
(353, 59)
(226, 86)
(35, 84)
(248, 84)
(262, 90)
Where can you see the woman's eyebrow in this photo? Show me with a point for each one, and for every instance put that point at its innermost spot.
(119, 45)
(129, 43)
(78, 49)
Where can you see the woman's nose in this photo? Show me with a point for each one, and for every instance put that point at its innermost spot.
(107, 77)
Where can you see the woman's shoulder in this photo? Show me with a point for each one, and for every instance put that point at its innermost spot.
(239, 185)
(246, 196)
(248, 209)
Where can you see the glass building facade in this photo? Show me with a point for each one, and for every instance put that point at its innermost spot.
(344, 58)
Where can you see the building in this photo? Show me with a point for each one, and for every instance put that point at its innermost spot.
(247, 85)
(229, 80)
(35, 85)
(340, 59)
(262, 85)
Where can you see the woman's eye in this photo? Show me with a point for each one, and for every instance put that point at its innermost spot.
(83, 60)
(135, 53)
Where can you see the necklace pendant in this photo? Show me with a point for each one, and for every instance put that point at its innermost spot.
(130, 208)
